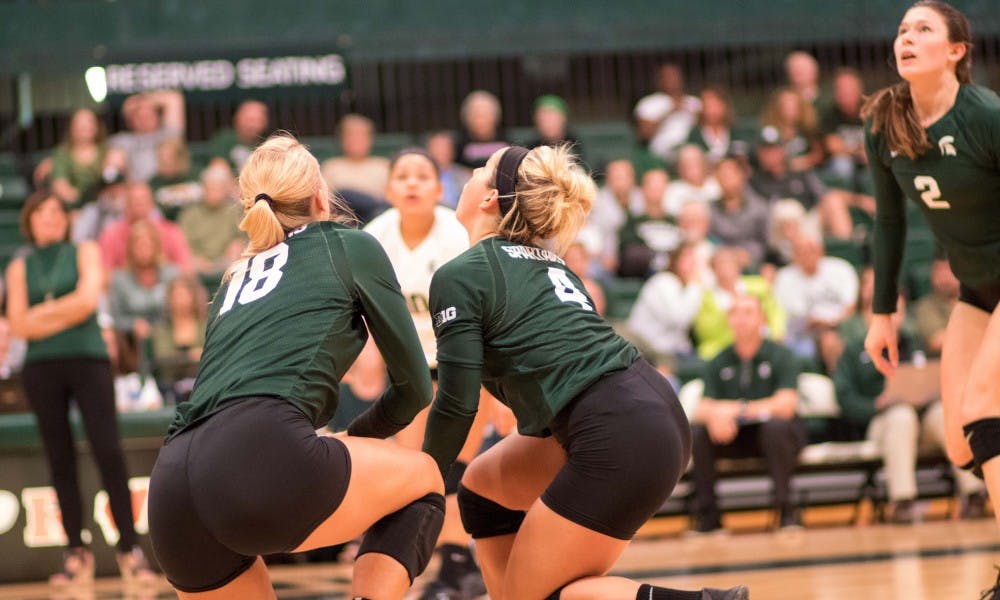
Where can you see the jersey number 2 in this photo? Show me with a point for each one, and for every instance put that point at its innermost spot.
(565, 290)
(930, 193)
(263, 277)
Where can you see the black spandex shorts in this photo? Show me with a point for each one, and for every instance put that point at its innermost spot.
(627, 443)
(252, 479)
(984, 297)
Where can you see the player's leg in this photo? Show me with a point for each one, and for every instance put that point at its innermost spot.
(252, 584)
(963, 337)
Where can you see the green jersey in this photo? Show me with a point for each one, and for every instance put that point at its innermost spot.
(291, 322)
(956, 183)
(516, 319)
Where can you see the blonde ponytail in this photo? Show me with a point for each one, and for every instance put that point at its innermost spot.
(262, 227)
(554, 196)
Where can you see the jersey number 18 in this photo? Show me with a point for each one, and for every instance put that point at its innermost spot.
(257, 278)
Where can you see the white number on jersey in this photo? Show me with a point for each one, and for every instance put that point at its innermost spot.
(931, 193)
(263, 277)
(565, 290)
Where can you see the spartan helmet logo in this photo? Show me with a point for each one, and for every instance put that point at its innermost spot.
(947, 145)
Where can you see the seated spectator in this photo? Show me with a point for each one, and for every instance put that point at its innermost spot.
(931, 312)
(662, 316)
(95, 217)
(901, 426)
(817, 293)
(802, 73)
(693, 223)
(441, 146)
(151, 117)
(232, 146)
(212, 225)
(788, 221)
(645, 239)
(549, 116)
(173, 186)
(668, 113)
(843, 131)
(740, 218)
(694, 183)
(855, 327)
(797, 124)
(137, 293)
(481, 134)
(139, 206)
(578, 259)
(361, 385)
(714, 132)
(178, 338)
(79, 162)
(774, 181)
(748, 409)
(618, 198)
(711, 329)
(357, 169)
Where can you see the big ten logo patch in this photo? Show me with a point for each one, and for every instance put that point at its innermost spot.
(445, 315)
(43, 520)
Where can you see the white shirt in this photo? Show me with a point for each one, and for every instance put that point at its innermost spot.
(664, 312)
(675, 128)
(415, 267)
(681, 192)
(827, 294)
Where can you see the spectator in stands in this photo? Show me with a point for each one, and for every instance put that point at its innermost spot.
(361, 385)
(178, 338)
(645, 239)
(843, 130)
(12, 348)
(232, 146)
(212, 226)
(693, 223)
(52, 300)
(788, 221)
(740, 218)
(662, 316)
(668, 114)
(79, 162)
(441, 146)
(93, 218)
(714, 132)
(173, 186)
(900, 425)
(139, 206)
(137, 294)
(797, 125)
(549, 116)
(151, 117)
(357, 170)
(931, 312)
(694, 182)
(711, 329)
(855, 326)
(775, 181)
(802, 72)
(578, 258)
(817, 293)
(481, 134)
(748, 409)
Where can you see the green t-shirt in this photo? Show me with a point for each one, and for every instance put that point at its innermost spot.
(51, 272)
(85, 178)
(518, 320)
(772, 368)
(293, 321)
(225, 144)
(956, 183)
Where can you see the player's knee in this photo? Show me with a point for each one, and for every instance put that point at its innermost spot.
(983, 436)
(484, 518)
(409, 534)
(902, 418)
(429, 473)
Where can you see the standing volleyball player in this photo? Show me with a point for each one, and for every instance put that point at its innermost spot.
(242, 472)
(935, 138)
(552, 507)
(419, 235)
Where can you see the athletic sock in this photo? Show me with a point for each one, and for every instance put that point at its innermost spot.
(652, 592)
(456, 561)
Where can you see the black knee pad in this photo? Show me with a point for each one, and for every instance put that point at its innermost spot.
(984, 439)
(483, 518)
(409, 534)
(973, 468)
(454, 477)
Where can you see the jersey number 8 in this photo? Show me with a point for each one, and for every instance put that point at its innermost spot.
(264, 274)
(565, 290)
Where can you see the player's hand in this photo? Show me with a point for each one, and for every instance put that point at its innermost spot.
(881, 336)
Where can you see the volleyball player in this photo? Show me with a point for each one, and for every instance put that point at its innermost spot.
(419, 235)
(242, 472)
(935, 137)
(552, 507)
